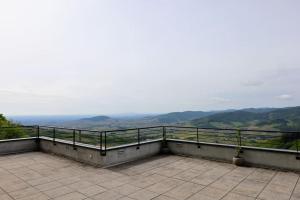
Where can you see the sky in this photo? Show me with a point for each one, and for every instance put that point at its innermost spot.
(141, 56)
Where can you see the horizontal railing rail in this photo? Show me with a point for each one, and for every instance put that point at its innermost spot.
(64, 128)
(104, 139)
(233, 129)
(161, 126)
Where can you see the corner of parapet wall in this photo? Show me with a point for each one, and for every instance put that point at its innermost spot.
(92, 155)
(21, 145)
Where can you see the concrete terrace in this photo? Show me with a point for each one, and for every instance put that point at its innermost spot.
(39, 176)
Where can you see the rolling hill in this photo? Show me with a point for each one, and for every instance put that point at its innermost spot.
(262, 118)
(96, 118)
(278, 119)
(175, 117)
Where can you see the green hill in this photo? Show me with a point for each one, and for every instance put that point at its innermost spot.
(279, 119)
(179, 117)
(259, 110)
(96, 118)
(175, 117)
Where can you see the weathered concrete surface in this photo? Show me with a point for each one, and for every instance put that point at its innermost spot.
(130, 153)
(92, 155)
(260, 157)
(280, 159)
(43, 176)
(210, 151)
(18, 145)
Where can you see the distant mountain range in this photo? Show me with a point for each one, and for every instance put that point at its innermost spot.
(175, 117)
(262, 118)
(257, 118)
(279, 119)
(258, 110)
(96, 119)
(178, 117)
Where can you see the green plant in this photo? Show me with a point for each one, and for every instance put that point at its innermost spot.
(10, 130)
(239, 143)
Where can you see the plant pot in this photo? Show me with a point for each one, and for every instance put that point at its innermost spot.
(238, 161)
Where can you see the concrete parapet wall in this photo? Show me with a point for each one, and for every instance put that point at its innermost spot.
(18, 145)
(259, 157)
(127, 153)
(206, 150)
(92, 155)
(270, 158)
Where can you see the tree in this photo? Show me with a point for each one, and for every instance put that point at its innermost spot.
(10, 130)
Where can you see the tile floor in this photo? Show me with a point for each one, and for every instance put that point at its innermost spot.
(40, 176)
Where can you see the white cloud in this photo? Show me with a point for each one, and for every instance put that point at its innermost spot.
(285, 97)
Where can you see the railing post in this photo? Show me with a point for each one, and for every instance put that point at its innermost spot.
(240, 137)
(164, 145)
(198, 138)
(138, 138)
(53, 136)
(297, 146)
(79, 135)
(74, 139)
(103, 152)
(239, 142)
(37, 134)
(164, 137)
(100, 142)
(105, 143)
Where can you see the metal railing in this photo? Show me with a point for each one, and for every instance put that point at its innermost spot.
(136, 136)
(101, 139)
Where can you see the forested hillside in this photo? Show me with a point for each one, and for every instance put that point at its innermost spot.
(10, 130)
(279, 119)
(175, 117)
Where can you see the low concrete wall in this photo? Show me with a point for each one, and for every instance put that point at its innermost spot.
(272, 158)
(19, 145)
(92, 155)
(259, 157)
(129, 153)
(206, 150)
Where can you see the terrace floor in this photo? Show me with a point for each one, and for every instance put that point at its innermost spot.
(39, 176)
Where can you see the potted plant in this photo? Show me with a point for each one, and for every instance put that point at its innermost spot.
(237, 159)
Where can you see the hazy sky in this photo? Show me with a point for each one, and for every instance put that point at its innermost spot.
(103, 57)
